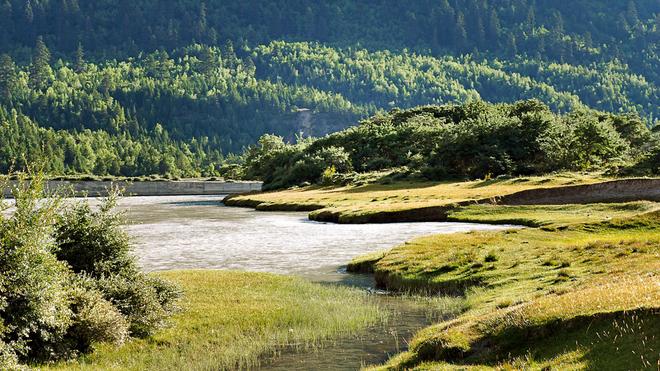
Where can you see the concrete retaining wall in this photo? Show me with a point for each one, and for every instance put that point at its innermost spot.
(155, 188)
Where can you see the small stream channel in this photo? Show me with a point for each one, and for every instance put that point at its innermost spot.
(190, 232)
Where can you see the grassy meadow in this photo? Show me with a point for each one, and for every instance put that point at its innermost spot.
(361, 203)
(570, 295)
(577, 288)
(238, 320)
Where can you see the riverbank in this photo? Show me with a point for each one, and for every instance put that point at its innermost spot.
(579, 289)
(579, 296)
(237, 320)
(435, 201)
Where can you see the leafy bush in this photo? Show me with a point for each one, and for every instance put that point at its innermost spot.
(34, 288)
(8, 359)
(95, 319)
(93, 243)
(144, 303)
(68, 281)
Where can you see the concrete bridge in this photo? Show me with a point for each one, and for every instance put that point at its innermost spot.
(150, 188)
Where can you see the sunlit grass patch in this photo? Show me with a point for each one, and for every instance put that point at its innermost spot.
(584, 296)
(236, 320)
(359, 202)
(607, 323)
(550, 215)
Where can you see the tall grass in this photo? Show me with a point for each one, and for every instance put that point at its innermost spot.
(237, 320)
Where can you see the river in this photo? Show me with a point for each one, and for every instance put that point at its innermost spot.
(198, 232)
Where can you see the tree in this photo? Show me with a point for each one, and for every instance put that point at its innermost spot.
(80, 59)
(511, 46)
(40, 71)
(200, 27)
(8, 77)
(494, 29)
(28, 12)
(531, 19)
(460, 40)
(208, 60)
(633, 15)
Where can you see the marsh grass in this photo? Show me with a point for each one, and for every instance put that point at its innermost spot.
(234, 320)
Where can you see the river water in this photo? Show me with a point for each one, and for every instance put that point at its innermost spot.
(198, 232)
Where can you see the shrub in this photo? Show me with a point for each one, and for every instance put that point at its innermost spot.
(145, 304)
(328, 175)
(94, 244)
(94, 319)
(8, 359)
(52, 308)
(34, 288)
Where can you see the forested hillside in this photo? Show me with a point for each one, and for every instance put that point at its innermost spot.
(188, 82)
(474, 141)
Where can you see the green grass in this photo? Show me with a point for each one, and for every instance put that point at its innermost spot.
(538, 297)
(549, 215)
(578, 290)
(382, 202)
(604, 325)
(237, 320)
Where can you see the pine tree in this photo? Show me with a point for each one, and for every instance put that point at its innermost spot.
(558, 23)
(479, 31)
(633, 15)
(8, 77)
(80, 59)
(531, 19)
(511, 47)
(460, 40)
(40, 71)
(200, 29)
(29, 13)
(443, 21)
(229, 54)
(208, 60)
(494, 29)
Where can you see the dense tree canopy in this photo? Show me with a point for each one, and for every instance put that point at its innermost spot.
(473, 140)
(189, 82)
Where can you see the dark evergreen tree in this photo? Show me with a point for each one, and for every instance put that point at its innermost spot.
(40, 71)
(8, 77)
(494, 30)
(461, 39)
(79, 63)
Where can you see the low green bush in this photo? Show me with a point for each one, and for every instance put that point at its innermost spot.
(95, 318)
(68, 280)
(93, 243)
(34, 290)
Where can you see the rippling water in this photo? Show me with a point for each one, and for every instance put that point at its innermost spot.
(184, 232)
(198, 232)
